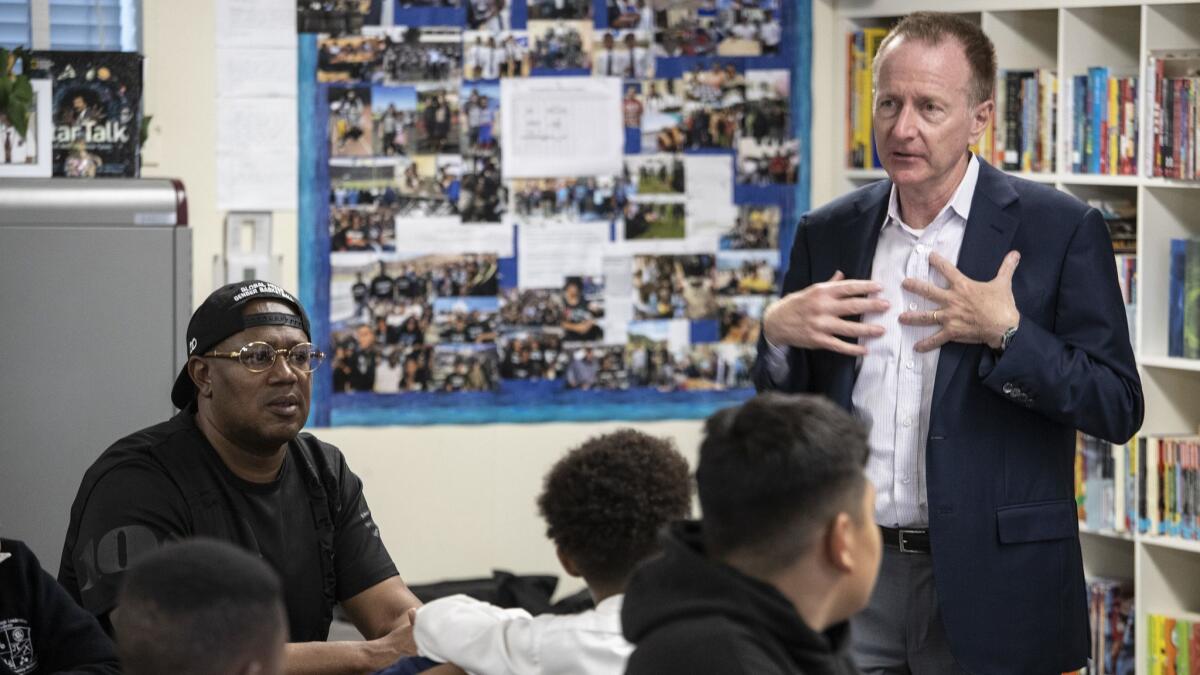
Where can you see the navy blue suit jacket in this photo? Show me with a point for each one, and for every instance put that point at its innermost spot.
(1000, 451)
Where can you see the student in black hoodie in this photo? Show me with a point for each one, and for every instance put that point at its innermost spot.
(786, 552)
(42, 630)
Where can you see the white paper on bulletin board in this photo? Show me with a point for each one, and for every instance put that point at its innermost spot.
(255, 181)
(256, 23)
(547, 254)
(561, 126)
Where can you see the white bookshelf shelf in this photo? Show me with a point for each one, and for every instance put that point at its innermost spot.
(1107, 534)
(1098, 180)
(1189, 545)
(1170, 183)
(1170, 362)
(1068, 37)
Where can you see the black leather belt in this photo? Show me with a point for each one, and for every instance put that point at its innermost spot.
(907, 539)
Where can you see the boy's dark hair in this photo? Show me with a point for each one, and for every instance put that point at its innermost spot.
(933, 27)
(774, 471)
(605, 501)
(198, 607)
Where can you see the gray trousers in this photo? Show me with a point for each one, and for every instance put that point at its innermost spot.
(900, 632)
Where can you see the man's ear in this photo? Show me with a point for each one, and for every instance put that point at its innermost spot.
(981, 115)
(568, 564)
(838, 539)
(201, 373)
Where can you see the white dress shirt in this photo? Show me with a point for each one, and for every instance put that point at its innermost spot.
(894, 384)
(614, 62)
(483, 639)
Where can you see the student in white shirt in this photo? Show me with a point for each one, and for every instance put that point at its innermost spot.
(770, 33)
(610, 61)
(475, 56)
(639, 65)
(604, 504)
(492, 56)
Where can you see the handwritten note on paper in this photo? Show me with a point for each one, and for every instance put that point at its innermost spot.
(256, 23)
(709, 189)
(561, 126)
(547, 254)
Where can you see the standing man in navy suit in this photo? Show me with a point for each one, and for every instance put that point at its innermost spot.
(973, 321)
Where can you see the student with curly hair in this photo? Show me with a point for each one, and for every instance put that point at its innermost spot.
(604, 504)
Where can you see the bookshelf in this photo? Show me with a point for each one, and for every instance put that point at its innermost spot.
(1068, 37)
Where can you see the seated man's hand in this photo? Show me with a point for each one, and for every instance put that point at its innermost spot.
(395, 645)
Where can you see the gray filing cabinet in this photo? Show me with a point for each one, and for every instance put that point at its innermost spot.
(95, 295)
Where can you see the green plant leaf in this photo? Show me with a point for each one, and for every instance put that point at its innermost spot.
(144, 133)
(18, 116)
(22, 90)
(16, 92)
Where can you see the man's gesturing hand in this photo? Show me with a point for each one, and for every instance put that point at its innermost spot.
(813, 318)
(971, 312)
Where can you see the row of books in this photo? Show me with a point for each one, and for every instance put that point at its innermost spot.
(1102, 485)
(1102, 133)
(861, 47)
(1025, 123)
(1150, 485)
(1168, 480)
(1183, 296)
(1111, 616)
(1174, 86)
(1173, 644)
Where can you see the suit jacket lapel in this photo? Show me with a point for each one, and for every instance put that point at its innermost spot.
(855, 257)
(863, 235)
(986, 241)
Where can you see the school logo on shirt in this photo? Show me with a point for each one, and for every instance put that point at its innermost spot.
(16, 646)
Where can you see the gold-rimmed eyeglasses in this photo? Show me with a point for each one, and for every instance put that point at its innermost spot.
(258, 357)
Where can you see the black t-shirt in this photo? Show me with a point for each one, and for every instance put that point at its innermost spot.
(382, 286)
(475, 330)
(167, 482)
(403, 287)
(359, 291)
(362, 370)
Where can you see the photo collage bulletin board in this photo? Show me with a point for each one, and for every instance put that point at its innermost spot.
(545, 210)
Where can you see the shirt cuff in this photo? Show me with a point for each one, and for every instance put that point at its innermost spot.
(776, 362)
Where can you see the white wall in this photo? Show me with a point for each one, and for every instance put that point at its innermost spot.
(450, 501)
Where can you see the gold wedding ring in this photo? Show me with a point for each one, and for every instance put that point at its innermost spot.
(935, 317)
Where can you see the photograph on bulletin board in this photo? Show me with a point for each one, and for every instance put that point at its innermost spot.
(545, 210)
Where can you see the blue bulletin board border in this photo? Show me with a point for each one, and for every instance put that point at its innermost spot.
(520, 401)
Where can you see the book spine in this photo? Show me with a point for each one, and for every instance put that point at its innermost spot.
(1158, 115)
(1178, 270)
(851, 102)
(1191, 295)
(1114, 127)
(1048, 91)
(1029, 122)
(1097, 81)
(1079, 121)
(1131, 129)
(1012, 121)
(1143, 512)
